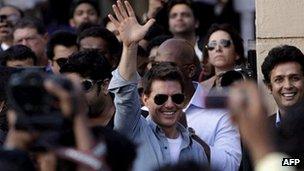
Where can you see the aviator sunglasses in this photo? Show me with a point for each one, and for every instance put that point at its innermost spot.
(160, 99)
(223, 42)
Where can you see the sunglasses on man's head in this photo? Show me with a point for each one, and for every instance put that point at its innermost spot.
(61, 61)
(160, 99)
(87, 84)
(223, 42)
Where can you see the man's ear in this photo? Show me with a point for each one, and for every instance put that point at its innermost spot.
(105, 85)
(72, 22)
(191, 70)
(269, 87)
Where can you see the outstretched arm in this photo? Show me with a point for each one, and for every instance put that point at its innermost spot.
(131, 32)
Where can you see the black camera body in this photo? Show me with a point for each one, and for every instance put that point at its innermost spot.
(36, 109)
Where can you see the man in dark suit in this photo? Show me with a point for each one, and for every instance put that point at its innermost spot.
(283, 71)
(283, 75)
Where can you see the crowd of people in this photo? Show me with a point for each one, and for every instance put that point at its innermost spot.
(132, 93)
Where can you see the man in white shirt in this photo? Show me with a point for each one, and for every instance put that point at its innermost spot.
(9, 15)
(212, 126)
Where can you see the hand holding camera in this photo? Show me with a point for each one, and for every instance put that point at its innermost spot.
(48, 106)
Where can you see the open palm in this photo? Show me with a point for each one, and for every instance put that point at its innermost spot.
(126, 23)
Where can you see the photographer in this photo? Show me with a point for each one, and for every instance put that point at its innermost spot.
(20, 142)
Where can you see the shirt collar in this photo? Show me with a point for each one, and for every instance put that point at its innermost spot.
(197, 99)
(278, 119)
(4, 46)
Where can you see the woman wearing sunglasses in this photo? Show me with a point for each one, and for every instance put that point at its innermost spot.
(223, 49)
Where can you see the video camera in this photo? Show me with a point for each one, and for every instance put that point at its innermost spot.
(36, 109)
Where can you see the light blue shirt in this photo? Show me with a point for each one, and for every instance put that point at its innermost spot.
(153, 148)
(215, 128)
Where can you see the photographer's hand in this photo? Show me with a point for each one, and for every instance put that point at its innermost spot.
(248, 112)
(73, 104)
(17, 139)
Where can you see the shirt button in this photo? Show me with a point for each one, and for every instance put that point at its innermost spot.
(166, 148)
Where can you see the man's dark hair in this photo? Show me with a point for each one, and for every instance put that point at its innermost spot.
(31, 22)
(154, 31)
(113, 44)
(189, 3)
(142, 60)
(279, 55)
(64, 38)
(17, 52)
(163, 71)
(114, 47)
(105, 21)
(76, 3)
(89, 64)
(235, 36)
(86, 25)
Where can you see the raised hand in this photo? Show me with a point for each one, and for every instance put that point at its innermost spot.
(126, 23)
(248, 112)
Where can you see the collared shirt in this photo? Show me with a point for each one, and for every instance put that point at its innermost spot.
(153, 148)
(215, 128)
(278, 119)
(4, 46)
(208, 84)
(198, 51)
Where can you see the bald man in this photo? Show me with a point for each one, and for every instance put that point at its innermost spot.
(180, 52)
(213, 126)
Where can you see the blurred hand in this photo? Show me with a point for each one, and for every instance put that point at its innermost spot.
(17, 139)
(71, 102)
(248, 113)
(46, 161)
(126, 23)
